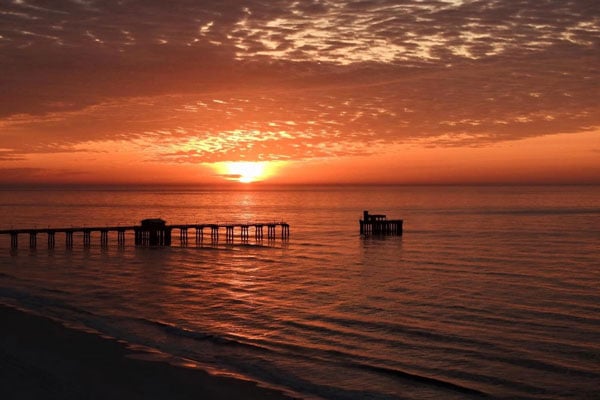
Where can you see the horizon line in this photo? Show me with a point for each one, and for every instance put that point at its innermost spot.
(266, 185)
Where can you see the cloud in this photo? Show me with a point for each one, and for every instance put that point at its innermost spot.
(204, 81)
(230, 176)
(10, 155)
(24, 174)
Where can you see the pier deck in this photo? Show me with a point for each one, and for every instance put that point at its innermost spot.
(152, 232)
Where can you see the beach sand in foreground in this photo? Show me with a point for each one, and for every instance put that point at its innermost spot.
(40, 358)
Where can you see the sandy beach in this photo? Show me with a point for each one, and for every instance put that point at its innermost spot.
(40, 358)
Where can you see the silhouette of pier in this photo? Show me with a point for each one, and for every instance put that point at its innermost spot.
(152, 232)
(378, 224)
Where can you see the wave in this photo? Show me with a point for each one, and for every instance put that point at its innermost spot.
(311, 354)
(192, 334)
(422, 379)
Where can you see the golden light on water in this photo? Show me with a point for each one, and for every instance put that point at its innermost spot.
(246, 171)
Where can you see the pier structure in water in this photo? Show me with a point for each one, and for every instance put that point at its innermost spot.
(153, 232)
(378, 224)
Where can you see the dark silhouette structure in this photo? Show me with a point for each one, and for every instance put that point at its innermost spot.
(378, 224)
(152, 232)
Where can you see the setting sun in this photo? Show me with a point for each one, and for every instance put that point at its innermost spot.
(243, 171)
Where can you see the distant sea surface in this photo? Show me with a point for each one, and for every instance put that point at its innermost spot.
(491, 291)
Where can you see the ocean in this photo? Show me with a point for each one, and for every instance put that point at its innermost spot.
(492, 291)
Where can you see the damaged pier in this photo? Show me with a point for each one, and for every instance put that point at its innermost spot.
(378, 224)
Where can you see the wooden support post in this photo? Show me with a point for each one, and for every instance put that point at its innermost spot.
(285, 231)
(104, 238)
(32, 240)
(14, 240)
(258, 232)
(121, 237)
(51, 239)
(271, 231)
(183, 236)
(69, 239)
(214, 233)
(87, 238)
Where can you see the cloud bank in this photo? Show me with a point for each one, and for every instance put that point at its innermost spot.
(205, 81)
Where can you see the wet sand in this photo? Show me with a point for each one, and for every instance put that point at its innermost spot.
(40, 358)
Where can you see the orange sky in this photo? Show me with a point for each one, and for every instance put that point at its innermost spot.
(316, 92)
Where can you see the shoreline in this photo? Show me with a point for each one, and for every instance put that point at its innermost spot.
(41, 358)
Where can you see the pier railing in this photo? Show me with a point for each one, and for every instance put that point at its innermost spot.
(154, 233)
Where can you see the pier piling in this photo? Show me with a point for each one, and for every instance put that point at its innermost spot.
(121, 237)
(183, 236)
(229, 233)
(214, 233)
(51, 239)
(258, 231)
(244, 235)
(104, 238)
(285, 231)
(69, 239)
(87, 238)
(271, 231)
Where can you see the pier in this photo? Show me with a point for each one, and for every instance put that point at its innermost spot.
(152, 232)
(378, 224)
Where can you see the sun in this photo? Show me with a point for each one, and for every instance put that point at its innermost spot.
(244, 171)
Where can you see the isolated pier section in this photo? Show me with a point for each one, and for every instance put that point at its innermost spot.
(378, 224)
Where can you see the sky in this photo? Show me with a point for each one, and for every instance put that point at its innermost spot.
(312, 92)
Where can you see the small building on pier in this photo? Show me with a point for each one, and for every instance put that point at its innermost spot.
(378, 224)
(153, 232)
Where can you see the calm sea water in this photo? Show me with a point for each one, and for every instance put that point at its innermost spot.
(492, 291)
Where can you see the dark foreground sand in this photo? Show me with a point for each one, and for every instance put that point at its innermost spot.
(41, 359)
